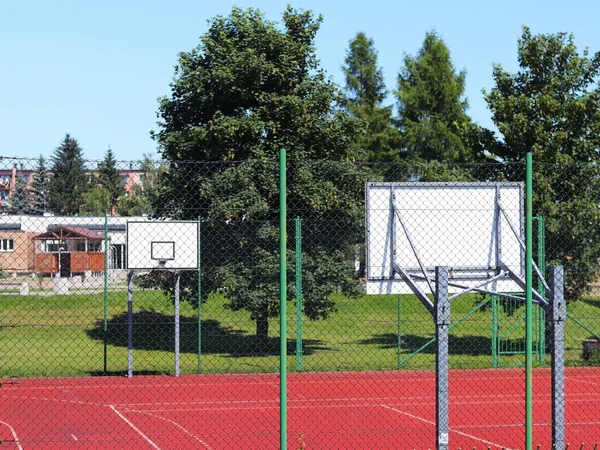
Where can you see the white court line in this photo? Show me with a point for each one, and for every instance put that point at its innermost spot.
(181, 427)
(521, 425)
(55, 400)
(503, 447)
(331, 399)
(74, 437)
(582, 381)
(136, 429)
(294, 404)
(14, 433)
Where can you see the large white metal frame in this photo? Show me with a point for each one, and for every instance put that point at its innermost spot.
(475, 229)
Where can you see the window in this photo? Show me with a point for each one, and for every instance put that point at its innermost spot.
(7, 245)
(5, 181)
(54, 246)
(126, 179)
(92, 246)
(3, 195)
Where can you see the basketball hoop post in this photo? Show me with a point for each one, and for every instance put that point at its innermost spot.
(559, 314)
(130, 324)
(177, 330)
(442, 323)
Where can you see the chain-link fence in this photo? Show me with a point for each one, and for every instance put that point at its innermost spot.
(148, 317)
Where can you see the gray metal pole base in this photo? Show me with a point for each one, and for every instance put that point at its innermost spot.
(130, 324)
(177, 333)
(442, 321)
(558, 310)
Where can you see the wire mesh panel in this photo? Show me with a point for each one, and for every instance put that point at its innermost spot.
(99, 351)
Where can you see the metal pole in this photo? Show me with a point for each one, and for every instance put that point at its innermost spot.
(442, 320)
(199, 295)
(298, 294)
(559, 313)
(282, 301)
(542, 266)
(494, 331)
(177, 329)
(528, 302)
(130, 324)
(105, 323)
(399, 356)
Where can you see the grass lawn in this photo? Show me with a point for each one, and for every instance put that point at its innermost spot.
(64, 335)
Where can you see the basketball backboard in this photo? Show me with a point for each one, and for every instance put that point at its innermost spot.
(164, 244)
(475, 229)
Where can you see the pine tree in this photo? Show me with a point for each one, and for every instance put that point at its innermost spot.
(39, 188)
(433, 113)
(19, 203)
(69, 181)
(110, 178)
(366, 91)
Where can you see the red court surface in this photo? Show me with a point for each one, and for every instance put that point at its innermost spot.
(350, 410)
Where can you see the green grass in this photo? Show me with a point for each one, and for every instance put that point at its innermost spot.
(64, 335)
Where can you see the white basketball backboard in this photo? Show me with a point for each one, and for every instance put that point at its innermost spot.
(164, 244)
(472, 228)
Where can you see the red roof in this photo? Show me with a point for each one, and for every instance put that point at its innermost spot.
(69, 233)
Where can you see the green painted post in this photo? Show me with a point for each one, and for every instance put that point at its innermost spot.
(298, 294)
(541, 261)
(282, 301)
(528, 302)
(105, 326)
(494, 331)
(399, 362)
(199, 294)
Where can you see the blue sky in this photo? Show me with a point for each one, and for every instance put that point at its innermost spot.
(94, 69)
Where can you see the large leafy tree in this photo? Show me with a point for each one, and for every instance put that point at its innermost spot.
(70, 180)
(551, 107)
(39, 188)
(432, 109)
(110, 178)
(96, 202)
(19, 203)
(366, 91)
(249, 89)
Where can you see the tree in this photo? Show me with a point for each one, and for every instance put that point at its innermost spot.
(551, 107)
(246, 91)
(70, 180)
(20, 199)
(110, 178)
(366, 91)
(96, 202)
(39, 188)
(432, 111)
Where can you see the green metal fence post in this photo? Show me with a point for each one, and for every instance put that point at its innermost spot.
(282, 301)
(199, 294)
(495, 355)
(399, 359)
(298, 294)
(105, 324)
(541, 261)
(528, 302)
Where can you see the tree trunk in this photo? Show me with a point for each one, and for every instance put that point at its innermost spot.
(262, 327)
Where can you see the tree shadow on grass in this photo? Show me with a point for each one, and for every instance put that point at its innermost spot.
(595, 302)
(458, 345)
(156, 331)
